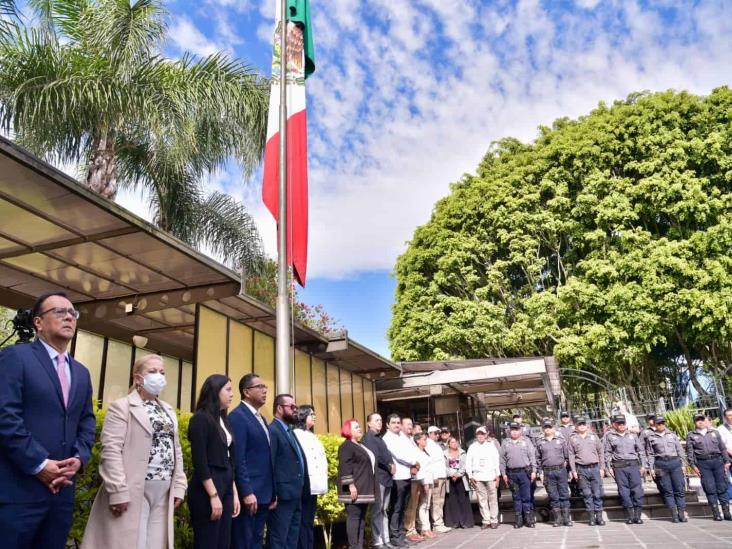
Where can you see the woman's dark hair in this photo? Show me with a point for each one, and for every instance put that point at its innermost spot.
(208, 398)
(303, 411)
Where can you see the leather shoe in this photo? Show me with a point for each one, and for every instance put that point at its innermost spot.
(494, 525)
(485, 526)
(416, 538)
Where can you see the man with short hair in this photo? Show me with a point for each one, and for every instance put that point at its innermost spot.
(47, 429)
(444, 438)
(290, 475)
(518, 469)
(385, 469)
(425, 483)
(708, 456)
(438, 464)
(483, 469)
(552, 456)
(409, 429)
(254, 474)
(627, 463)
(666, 464)
(587, 463)
(402, 452)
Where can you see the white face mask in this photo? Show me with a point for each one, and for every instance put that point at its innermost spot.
(154, 383)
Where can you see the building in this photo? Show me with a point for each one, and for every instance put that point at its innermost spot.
(132, 281)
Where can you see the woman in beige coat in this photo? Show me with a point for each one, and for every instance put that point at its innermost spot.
(141, 468)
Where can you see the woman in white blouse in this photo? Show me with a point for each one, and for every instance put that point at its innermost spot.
(317, 470)
(135, 503)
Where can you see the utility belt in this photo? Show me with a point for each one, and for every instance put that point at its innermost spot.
(588, 466)
(667, 458)
(621, 463)
(709, 458)
(518, 470)
(553, 468)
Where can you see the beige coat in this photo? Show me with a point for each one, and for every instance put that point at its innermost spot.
(126, 442)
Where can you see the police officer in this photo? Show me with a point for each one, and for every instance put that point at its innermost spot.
(587, 463)
(667, 469)
(707, 455)
(525, 429)
(624, 454)
(518, 469)
(552, 457)
(566, 429)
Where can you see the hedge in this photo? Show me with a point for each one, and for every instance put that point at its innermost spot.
(87, 484)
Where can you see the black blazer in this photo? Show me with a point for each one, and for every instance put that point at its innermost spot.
(384, 460)
(208, 446)
(354, 467)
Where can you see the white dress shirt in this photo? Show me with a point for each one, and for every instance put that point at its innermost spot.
(258, 416)
(482, 461)
(403, 453)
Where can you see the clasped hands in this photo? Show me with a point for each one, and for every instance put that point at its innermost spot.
(59, 474)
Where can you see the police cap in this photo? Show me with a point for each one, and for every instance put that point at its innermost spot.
(699, 417)
(580, 420)
(546, 424)
(618, 418)
(564, 414)
(514, 426)
(660, 419)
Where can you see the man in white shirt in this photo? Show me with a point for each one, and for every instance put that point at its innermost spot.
(438, 465)
(482, 466)
(403, 453)
(725, 431)
(410, 514)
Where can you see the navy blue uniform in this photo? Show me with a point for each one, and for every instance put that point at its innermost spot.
(706, 451)
(665, 460)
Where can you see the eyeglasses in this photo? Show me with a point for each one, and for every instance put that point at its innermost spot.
(290, 406)
(261, 386)
(61, 312)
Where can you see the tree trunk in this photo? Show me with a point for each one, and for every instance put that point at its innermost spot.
(690, 365)
(101, 176)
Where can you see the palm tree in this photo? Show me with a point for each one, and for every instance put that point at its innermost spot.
(8, 17)
(90, 86)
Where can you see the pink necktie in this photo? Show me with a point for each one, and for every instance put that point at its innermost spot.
(61, 370)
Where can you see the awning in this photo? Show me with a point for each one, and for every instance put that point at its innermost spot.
(126, 276)
(497, 382)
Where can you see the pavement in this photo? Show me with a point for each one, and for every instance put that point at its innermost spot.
(698, 533)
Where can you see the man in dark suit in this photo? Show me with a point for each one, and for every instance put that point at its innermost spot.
(253, 467)
(290, 473)
(47, 429)
(385, 469)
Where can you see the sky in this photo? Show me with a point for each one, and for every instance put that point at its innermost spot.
(409, 94)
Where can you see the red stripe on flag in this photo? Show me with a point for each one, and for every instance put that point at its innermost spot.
(297, 189)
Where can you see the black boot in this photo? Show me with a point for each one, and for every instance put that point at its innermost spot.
(519, 520)
(628, 512)
(715, 512)
(556, 518)
(637, 515)
(600, 520)
(725, 511)
(567, 517)
(682, 515)
(592, 518)
(529, 519)
(674, 514)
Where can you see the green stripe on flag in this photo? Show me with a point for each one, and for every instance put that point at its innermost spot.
(299, 12)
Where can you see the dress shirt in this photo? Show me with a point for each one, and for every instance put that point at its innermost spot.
(258, 416)
(438, 466)
(482, 461)
(402, 452)
(725, 431)
(53, 353)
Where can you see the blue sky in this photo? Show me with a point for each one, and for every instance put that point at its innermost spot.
(409, 94)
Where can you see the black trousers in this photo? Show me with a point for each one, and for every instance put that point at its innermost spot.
(671, 482)
(356, 524)
(400, 491)
(630, 485)
(714, 480)
(557, 486)
(207, 533)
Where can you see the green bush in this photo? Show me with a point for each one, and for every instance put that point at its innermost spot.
(88, 482)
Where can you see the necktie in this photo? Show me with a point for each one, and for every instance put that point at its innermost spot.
(264, 426)
(62, 377)
(297, 447)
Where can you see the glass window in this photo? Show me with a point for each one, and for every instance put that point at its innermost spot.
(334, 398)
(211, 352)
(303, 394)
(117, 371)
(264, 367)
(346, 395)
(320, 401)
(172, 374)
(89, 351)
(186, 386)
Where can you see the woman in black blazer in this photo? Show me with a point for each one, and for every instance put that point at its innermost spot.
(357, 481)
(212, 496)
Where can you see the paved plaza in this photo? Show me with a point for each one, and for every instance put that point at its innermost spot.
(698, 533)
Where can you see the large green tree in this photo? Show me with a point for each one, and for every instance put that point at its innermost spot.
(87, 84)
(605, 242)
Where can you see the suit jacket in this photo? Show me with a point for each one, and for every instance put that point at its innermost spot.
(290, 479)
(208, 448)
(384, 460)
(254, 469)
(34, 423)
(126, 439)
(355, 467)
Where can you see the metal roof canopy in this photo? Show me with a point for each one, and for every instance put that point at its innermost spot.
(497, 382)
(56, 235)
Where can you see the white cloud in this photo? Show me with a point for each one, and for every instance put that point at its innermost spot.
(186, 37)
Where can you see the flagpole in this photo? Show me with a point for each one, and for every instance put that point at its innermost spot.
(282, 371)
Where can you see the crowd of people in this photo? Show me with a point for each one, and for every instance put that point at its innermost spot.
(250, 476)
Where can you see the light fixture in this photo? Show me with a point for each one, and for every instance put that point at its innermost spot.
(139, 341)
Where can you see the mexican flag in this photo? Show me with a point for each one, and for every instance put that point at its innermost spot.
(300, 64)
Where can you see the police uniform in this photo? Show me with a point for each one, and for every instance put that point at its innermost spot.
(552, 457)
(665, 461)
(624, 453)
(567, 431)
(587, 460)
(706, 451)
(518, 462)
